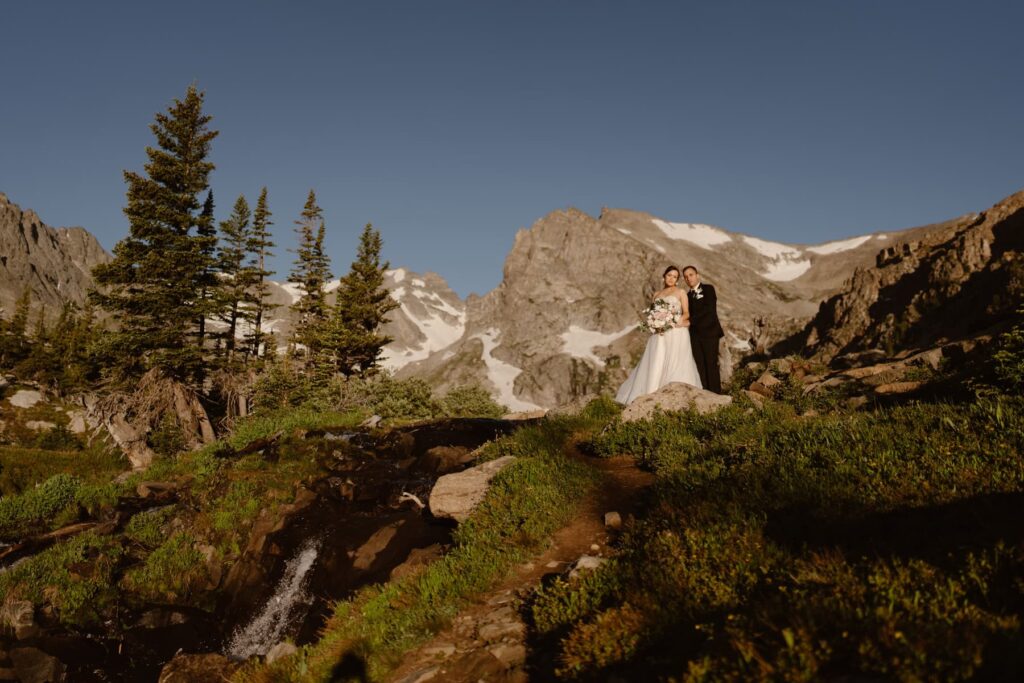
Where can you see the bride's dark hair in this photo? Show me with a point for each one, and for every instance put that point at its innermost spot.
(669, 270)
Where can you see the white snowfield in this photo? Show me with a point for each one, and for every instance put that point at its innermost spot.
(501, 374)
(580, 343)
(705, 236)
(788, 262)
(397, 274)
(841, 245)
(441, 323)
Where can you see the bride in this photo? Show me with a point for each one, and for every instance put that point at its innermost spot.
(668, 357)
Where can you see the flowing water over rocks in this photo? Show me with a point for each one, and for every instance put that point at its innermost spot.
(353, 525)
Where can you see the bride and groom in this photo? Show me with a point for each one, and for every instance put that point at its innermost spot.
(688, 352)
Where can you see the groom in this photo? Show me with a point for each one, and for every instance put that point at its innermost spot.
(705, 330)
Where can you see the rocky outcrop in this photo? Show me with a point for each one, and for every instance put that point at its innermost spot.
(673, 397)
(54, 264)
(953, 282)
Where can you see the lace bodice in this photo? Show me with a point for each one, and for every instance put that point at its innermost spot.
(674, 302)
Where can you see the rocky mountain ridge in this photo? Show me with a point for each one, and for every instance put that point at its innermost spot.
(954, 281)
(54, 264)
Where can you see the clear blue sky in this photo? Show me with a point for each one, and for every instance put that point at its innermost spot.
(450, 125)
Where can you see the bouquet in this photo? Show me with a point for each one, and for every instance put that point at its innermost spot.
(659, 317)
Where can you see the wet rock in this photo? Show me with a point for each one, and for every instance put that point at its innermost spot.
(20, 615)
(281, 650)
(675, 396)
(586, 563)
(25, 398)
(444, 459)
(32, 665)
(187, 668)
(455, 495)
(363, 557)
(40, 425)
(509, 654)
(161, 618)
(418, 558)
(613, 520)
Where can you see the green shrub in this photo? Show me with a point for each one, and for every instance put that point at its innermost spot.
(170, 572)
(471, 401)
(167, 438)
(75, 577)
(1009, 359)
(147, 528)
(58, 438)
(38, 504)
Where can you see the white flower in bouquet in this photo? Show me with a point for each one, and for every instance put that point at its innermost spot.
(659, 317)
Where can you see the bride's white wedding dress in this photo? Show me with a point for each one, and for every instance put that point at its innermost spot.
(666, 359)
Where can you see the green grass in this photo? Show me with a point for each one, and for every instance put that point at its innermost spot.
(880, 544)
(525, 504)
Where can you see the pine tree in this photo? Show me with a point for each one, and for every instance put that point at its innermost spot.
(311, 271)
(259, 246)
(360, 310)
(153, 285)
(14, 345)
(206, 242)
(238, 275)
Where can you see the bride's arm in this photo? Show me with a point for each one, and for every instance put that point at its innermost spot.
(684, 321)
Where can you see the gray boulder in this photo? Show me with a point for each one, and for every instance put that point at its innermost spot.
(455, 495)
(673, 397)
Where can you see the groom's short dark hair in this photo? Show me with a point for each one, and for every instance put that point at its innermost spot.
(693, 268)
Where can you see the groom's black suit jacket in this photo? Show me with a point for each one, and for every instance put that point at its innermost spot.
(704, 313)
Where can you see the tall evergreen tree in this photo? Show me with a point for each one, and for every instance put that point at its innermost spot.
(206, 242)
(153, 285)
(237, 273)
(311, 271)
(360, 310)
(14, 345)
(259, 247)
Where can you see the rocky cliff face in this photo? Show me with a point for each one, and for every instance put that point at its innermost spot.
(562, 322)
(952, 281)
(53, 263)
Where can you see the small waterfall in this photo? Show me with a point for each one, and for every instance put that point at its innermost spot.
(269, 626)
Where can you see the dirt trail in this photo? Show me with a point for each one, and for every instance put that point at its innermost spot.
(487, 640)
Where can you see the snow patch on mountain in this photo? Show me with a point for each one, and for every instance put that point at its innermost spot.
(705, 236)
(787, 262)
(501, 374)
(580, 343)
(840, 245)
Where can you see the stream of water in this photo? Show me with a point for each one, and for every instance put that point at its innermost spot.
(290, 596)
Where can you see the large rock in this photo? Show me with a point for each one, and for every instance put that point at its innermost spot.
(455, 495)
(187, 668)
(32, 665)
(675, 396)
